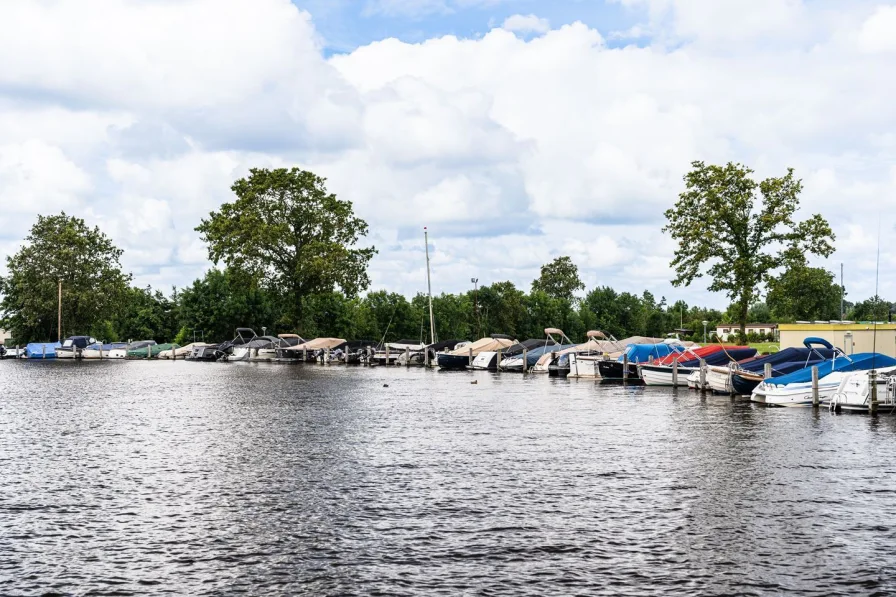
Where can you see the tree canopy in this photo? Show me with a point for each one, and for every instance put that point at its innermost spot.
(738, 231)
(559, 279)
(285, 229)
(804, 293)
(86, 261)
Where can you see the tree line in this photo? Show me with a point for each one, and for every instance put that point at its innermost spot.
(287, 260)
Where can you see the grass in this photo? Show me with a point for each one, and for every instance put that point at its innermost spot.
(762, 347)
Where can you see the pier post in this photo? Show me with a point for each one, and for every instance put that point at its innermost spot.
(767, 373)
(872, 388)
(407, 357)
(43, 351)
(304, 354)
(702, 375)
(675, 372)
(387, 354)
(498, 362)
(815, 386)
(525, 359)
(625, 367)
(426, 357)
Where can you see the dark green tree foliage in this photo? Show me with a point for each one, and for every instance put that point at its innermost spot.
(224, 300)
(804, 293)
(285, 229)
(724, 229)
(873, 309)
(145, 315)
(559, 279)
(85, 260)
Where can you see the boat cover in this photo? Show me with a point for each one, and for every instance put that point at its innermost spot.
(36, 350)
(444, 345)
(861, 361)
(641, 353)
(483, 345)
(317, 344)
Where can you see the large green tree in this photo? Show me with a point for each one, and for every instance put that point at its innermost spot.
(215, 305)
(738, 231)
(804, 293)
(288, 231)
(559, 279)
(64, 249)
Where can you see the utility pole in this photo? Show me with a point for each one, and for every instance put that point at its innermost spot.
(842, 312)
(475, 282)
(59, 322)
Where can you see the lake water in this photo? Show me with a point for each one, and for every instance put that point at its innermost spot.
(207, 478)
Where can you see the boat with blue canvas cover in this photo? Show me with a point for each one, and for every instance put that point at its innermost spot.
(795, 389)
(612, 369)
(41, 350)
(743, 377)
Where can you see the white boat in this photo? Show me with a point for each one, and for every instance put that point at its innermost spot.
(122, 353)
(693, 380)
(73, 346)
(584, 365)
(854, 395)
(181, 352)
(538, 360)
(718, 379)
(662, 375)
(784, 391)
(102, 351)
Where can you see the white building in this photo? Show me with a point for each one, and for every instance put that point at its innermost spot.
(726, 331)
(4, 336)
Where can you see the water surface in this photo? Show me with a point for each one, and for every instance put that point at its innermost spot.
(206, 478)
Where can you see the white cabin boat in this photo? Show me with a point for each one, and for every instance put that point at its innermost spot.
(854, 392)
(662, 375)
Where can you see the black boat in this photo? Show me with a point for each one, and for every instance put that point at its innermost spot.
(613, 371)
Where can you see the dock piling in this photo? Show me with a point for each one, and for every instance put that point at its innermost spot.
(815, 386)
(675, 372)
(525, 359)
(625, 367)
(702, 375)
(872, 388)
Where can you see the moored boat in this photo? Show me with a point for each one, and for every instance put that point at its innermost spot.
(41, 350)
(462, 358)
(72, 346)
(102, 351)
(795, 389)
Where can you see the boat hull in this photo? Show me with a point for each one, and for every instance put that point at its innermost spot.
(453, 362)
(613, 371)
(584, 366)
(660, 375)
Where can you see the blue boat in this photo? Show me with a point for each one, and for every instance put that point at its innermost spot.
(750, 373)
(41, 350)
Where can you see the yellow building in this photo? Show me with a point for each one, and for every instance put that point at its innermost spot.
(851, 337)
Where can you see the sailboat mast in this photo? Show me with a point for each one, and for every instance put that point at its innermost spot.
(432, 323)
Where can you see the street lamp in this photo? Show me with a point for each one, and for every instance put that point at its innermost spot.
(705, 323)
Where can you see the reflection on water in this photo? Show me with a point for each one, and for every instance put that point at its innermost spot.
(204, 478)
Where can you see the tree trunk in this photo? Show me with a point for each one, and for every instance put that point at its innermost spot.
(744, 310)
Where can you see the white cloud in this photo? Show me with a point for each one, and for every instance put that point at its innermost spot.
(526, 24)
(878, 32)
(513, 149)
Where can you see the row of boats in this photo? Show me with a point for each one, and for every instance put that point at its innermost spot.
(783, 378)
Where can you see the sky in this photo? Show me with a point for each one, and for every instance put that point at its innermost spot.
(516, 130)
